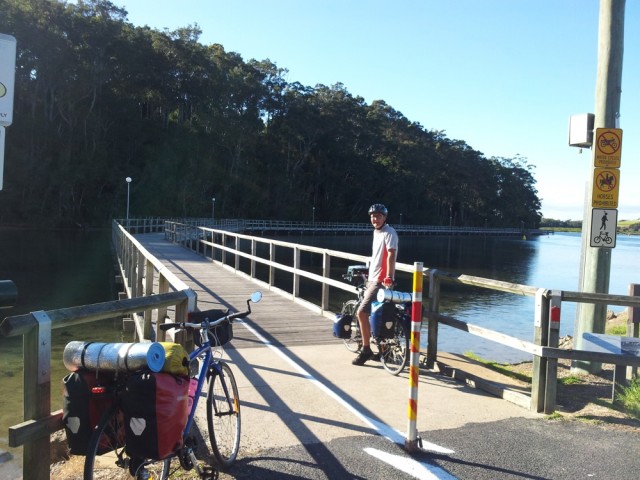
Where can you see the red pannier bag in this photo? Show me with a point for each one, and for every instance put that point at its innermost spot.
(86, 397)
(155, 407)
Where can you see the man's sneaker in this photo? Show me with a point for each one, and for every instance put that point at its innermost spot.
(375, 357)
(364, 355)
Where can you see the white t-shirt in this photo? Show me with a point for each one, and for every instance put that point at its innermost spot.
(384, 239)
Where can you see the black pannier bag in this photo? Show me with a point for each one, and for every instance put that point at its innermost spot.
(342, 326)
(382, 319)
(155, 407)
(87, 395)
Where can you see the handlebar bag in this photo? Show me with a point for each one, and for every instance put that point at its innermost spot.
(155, 407)
(218, 335)
(382, 319)
(342, 326)
(87, 395)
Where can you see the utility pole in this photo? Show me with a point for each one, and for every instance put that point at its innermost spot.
(595, 265)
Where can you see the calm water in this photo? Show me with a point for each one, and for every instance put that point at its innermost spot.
(62, 269)
(51, 270)
(550, 262)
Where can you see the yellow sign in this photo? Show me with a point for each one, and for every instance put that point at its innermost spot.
(605, 188)
(608, 143)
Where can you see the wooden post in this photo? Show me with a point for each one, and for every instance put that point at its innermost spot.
(540, 338)
(633, 324)
(551, 380)
(432, 325)
(296, 278)
(254, 250)
(326, 272)
(236, 263)
(224, 252)
(148, 290)
(272, 269)
(163, 287)
(37, 394)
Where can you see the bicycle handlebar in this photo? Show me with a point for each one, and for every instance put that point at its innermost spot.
(206, 323)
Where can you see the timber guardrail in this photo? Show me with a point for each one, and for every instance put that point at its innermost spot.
(138, 269)
(241, 254)
(156, 224)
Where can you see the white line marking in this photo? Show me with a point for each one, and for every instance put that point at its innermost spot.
(406, 464)
(422, 471)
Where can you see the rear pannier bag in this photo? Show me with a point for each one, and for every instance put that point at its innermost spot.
(342, 326)
(86, 397)
(382, 319)
(155, 414)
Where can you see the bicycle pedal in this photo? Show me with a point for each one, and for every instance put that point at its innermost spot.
(187, 459)
(210, 473)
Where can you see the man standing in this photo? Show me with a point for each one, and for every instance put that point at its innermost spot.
(382, 271)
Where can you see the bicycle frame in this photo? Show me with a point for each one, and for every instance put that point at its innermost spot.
(207, 363)
(202, 375)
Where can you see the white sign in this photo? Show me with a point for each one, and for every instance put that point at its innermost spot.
(604, 223)
(7, 78)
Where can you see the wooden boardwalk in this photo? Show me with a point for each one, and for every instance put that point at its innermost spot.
(278, 318)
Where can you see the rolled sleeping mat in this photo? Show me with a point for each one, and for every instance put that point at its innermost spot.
(113, 356)
(386, 295)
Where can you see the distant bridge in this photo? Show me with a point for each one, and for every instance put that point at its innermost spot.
(286, 227)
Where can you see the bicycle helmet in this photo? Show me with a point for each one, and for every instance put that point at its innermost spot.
(378, 208)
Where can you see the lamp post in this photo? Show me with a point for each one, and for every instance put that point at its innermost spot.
(128, 180)
(313, 217)
(213, 209)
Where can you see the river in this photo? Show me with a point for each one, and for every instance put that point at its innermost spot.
(67, 268)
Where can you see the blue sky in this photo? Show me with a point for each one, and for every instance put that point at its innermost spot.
(502, 75)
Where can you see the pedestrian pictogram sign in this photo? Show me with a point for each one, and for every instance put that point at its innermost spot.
(608, 151)
(605, 188)
(603, 227)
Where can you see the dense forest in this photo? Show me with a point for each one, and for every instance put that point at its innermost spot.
(98, 99)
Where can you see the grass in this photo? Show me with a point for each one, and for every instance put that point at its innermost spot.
(570, 380)
(617, 330)
(629, 397)
(498, 367)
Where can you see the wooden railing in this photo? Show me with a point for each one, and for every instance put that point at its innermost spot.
(228, 249)
(154, 224)
(139, 269)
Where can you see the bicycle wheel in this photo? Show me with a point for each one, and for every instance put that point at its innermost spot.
(354, 343)
(394, 353)
(105, 452)
(223, 416)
